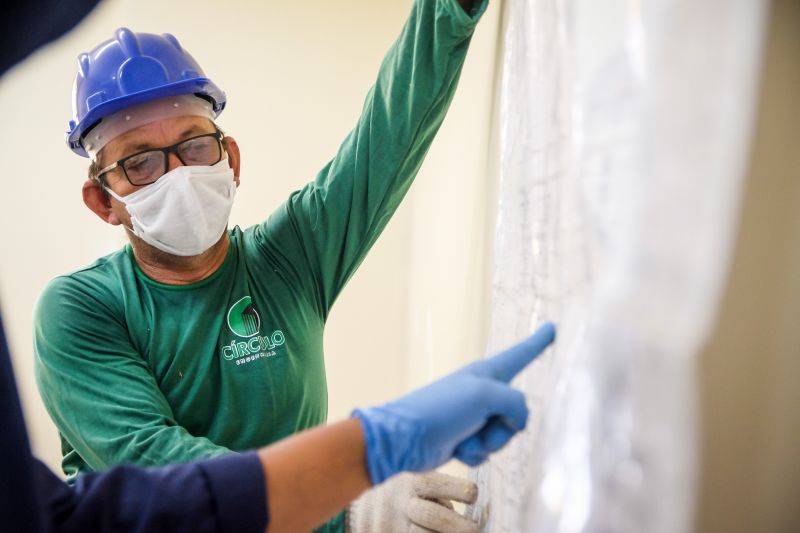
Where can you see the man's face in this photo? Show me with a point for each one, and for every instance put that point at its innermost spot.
(166, 132)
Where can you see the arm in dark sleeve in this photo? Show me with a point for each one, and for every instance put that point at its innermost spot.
(25, 26)
(221, 495)
(18, 503)
(225, 494)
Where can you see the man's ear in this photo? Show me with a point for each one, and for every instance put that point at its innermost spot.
(234, 157)
(99, 202)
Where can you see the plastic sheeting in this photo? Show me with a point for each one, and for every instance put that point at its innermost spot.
(624, 134)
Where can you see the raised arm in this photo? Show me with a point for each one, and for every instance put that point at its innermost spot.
(331, 223)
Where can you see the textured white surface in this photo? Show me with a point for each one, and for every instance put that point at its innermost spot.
(623, 141)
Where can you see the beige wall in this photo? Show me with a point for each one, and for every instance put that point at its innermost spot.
(296, 74)
(750, 462)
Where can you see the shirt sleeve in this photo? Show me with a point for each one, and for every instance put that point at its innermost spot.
(19, 505)
(332, 222)
(222, 495)
(85, 362)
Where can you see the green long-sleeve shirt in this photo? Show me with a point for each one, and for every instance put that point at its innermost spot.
(135, 371)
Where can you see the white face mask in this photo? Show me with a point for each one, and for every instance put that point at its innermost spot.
(186, 211)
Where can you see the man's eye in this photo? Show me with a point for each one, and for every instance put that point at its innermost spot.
(138, 162)
(197, 145)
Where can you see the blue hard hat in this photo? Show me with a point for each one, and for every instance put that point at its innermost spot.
(133, 68)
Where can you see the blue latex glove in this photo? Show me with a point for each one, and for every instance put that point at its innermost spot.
(468, 415)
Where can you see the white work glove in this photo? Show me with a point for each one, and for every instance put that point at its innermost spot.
(411, 503)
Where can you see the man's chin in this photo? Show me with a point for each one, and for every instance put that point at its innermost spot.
(168, 258)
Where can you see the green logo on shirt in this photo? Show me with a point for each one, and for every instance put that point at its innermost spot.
(244, 321)
(243, 318)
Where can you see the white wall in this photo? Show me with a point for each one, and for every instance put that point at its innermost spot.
(296, 74)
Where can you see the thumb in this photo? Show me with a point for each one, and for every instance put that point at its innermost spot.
(477, 448)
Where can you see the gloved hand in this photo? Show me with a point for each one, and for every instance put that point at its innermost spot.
(414, 502)
(468, 415)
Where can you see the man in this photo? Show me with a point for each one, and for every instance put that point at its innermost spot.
(193, 340)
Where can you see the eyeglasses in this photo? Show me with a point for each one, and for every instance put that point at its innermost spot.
(144, 168)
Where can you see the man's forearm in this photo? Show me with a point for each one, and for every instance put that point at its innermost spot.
(301, 470)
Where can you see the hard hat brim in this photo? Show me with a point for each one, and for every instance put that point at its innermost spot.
(202, 87)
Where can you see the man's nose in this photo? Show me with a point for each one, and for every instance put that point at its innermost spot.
(173, 162)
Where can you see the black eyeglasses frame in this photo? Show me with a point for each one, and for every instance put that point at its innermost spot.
(172, 149)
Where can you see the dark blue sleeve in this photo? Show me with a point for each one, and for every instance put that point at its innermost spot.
(221, 495)
(27, 25)
(19, 507)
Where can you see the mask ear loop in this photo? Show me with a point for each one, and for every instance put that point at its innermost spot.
(117, 197)
(113, 194)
